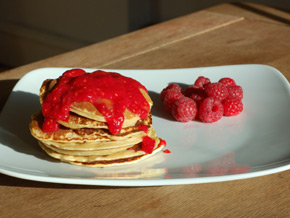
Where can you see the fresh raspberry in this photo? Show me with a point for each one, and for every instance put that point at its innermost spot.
(227, 81)
(217, 90)
(189, 90)
(232, 107)
(235, 92)
(198, 97)
(201, 82)
(172, 86)
(210, 110)
(170, 97)
(195, 94)
(184, 109)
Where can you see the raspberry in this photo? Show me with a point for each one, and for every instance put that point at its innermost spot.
(227, 81)
(235, 92)
(195, 94)
(184, 109)
(170, 97)
(198, 97)
(210, 110)
(217, 90)
(232, 107)
(190, 90)
(172, 86)
(201, 82)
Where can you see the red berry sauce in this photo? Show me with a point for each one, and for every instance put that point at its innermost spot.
(111, 93)
(148, 144)
(144, 128)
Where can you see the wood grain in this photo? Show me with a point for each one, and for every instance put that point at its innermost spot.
(126, 46)
(242, 42)
(217, 36)
(253, 11)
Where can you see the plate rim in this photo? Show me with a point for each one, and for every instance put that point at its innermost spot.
(142, 181)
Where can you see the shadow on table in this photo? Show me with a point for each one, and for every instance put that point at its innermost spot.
(10, 181)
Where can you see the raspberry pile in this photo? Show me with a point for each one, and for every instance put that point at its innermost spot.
(205, 101)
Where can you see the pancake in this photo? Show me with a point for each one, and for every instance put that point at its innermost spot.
(100, 145)
(88, 110)
(77, 122)
(71, 129)
(118, 158)
(64, 134)
(87, 152)
(93, 145)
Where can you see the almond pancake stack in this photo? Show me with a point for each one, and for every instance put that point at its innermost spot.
(85, 136)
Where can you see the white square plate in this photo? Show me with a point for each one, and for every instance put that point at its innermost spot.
(254, 143)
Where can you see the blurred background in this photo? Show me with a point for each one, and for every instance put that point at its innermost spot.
(31, 30)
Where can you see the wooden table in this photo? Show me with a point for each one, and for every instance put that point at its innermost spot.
(222, 35)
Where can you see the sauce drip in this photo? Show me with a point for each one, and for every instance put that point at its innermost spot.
(148, 144)
(111, 93)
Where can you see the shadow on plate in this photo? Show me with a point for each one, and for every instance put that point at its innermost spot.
(15, 134)
(158, 108)
(14, 122)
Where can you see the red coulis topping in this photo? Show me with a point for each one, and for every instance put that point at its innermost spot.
(111, 93)
(144, 128)
(148, 144)
(167, 151)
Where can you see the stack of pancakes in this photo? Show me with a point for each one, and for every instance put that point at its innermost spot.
(85, 139)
